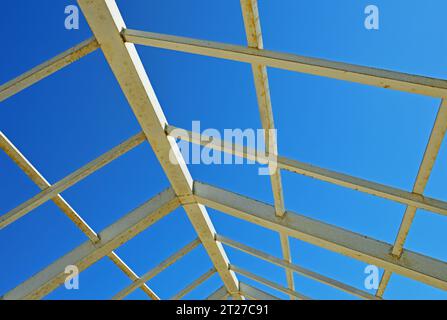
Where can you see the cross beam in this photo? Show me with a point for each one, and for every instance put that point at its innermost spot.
(341, 179)
(413, 265)
(292, 62)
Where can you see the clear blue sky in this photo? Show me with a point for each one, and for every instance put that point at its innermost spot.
(79, 113)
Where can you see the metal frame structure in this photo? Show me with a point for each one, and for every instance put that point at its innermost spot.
(118, 45)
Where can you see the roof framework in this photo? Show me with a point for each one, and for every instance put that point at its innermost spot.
(117, 43)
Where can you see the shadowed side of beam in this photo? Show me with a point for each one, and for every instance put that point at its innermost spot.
(413, 265)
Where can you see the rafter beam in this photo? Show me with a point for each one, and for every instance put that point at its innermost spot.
(157, 270)
(10, 149)
(194, 284)
(341, 179)
(295, 268)
(319, 67)
(88, 253)
(68, 181)
(47, 68)
(106, 23)
(413, 265)
(431, 153)
(268, 283)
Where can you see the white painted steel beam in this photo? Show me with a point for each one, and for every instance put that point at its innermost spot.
(319, 67)
(253, 32)
(106, 23)
(341, 179)
(254, 39)
(45, 69)
(413, 265)
(88, 253)
(70, 180)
